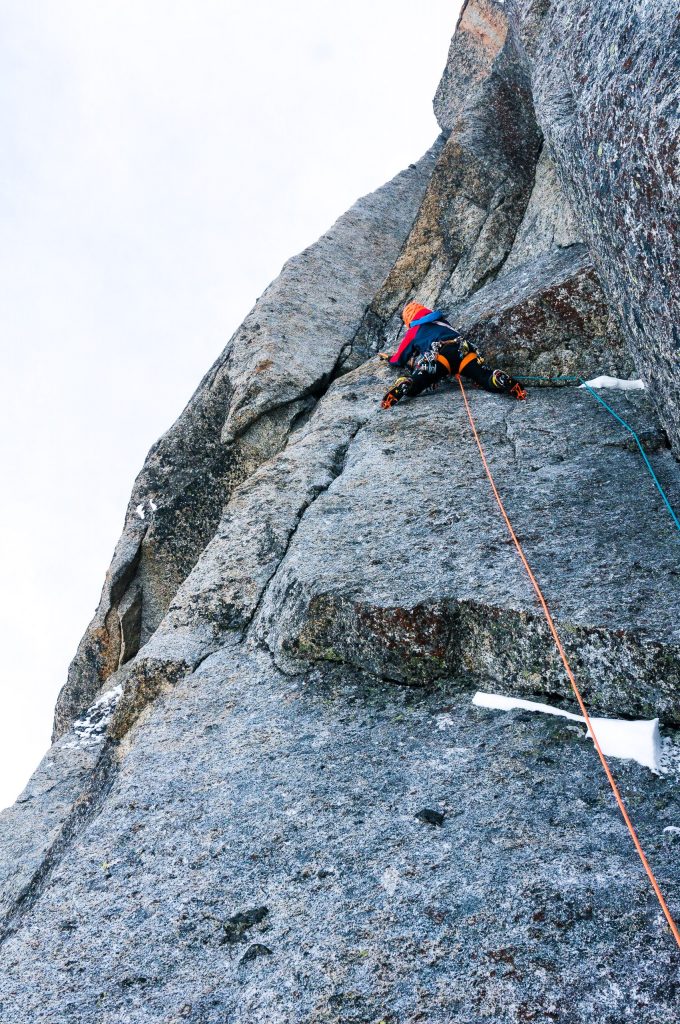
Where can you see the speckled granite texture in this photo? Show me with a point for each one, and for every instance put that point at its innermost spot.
(271, 798)
(605, 82)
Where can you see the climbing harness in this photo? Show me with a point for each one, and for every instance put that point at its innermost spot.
(570, 675)
(468, 358)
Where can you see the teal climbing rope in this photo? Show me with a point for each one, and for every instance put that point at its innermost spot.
(639, 444)
(550, 380)
(627, 426)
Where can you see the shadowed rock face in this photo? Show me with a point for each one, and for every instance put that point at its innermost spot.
(548, 221)
(271, 798)
(548, 317)
(475, 202)
(605, 86)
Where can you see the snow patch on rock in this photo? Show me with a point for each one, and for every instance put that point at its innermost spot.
(91, 727)
(389, 880)
(614, 384)
(636, 741)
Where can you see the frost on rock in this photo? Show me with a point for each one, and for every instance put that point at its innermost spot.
(614, 384)
(389, 880)
(91, 727)
(141, 511)
(636, 741)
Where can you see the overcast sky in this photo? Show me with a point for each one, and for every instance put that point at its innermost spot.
(160, 160)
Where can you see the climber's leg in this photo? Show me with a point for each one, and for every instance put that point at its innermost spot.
(493, 380)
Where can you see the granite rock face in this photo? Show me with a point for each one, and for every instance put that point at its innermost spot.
(478, 194)
(257, 809)
(270, 796)
(495, 221)
(606, 85)
(479, 38)
(267, 379)
(445, 600)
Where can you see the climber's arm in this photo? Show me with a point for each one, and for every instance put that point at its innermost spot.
(404, 353)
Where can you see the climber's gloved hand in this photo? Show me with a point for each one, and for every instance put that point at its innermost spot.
(385, 356)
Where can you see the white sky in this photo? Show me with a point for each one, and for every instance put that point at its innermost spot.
(160, 160)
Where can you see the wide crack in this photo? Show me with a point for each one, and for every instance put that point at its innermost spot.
(336, 471)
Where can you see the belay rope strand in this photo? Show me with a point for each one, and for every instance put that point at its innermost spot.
(586, 385)
(639, 444)
(570, 675)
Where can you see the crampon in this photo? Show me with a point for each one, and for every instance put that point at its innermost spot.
(399, 390)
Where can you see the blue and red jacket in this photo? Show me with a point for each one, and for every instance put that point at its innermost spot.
(430, 326)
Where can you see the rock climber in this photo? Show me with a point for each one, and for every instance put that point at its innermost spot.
(432, 350)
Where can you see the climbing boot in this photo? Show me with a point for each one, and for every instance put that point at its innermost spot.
(518, 392)
(399, 390)
(501, 381)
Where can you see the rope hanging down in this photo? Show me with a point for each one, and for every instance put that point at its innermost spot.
(639, 444)
(570, 675)
(586, 385)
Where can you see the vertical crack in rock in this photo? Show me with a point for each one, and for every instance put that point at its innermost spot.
(606, 91)
(336, 471)
(222, 594)
(548, 222)
(478, 194)
(83, 811)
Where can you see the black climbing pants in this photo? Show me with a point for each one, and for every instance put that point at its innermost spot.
(482, 374)
(429, 370)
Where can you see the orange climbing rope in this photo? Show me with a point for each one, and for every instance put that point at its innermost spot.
(546, 611)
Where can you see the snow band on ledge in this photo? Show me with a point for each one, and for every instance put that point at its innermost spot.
(636, 741)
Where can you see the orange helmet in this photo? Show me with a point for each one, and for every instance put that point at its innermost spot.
(413, 311)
